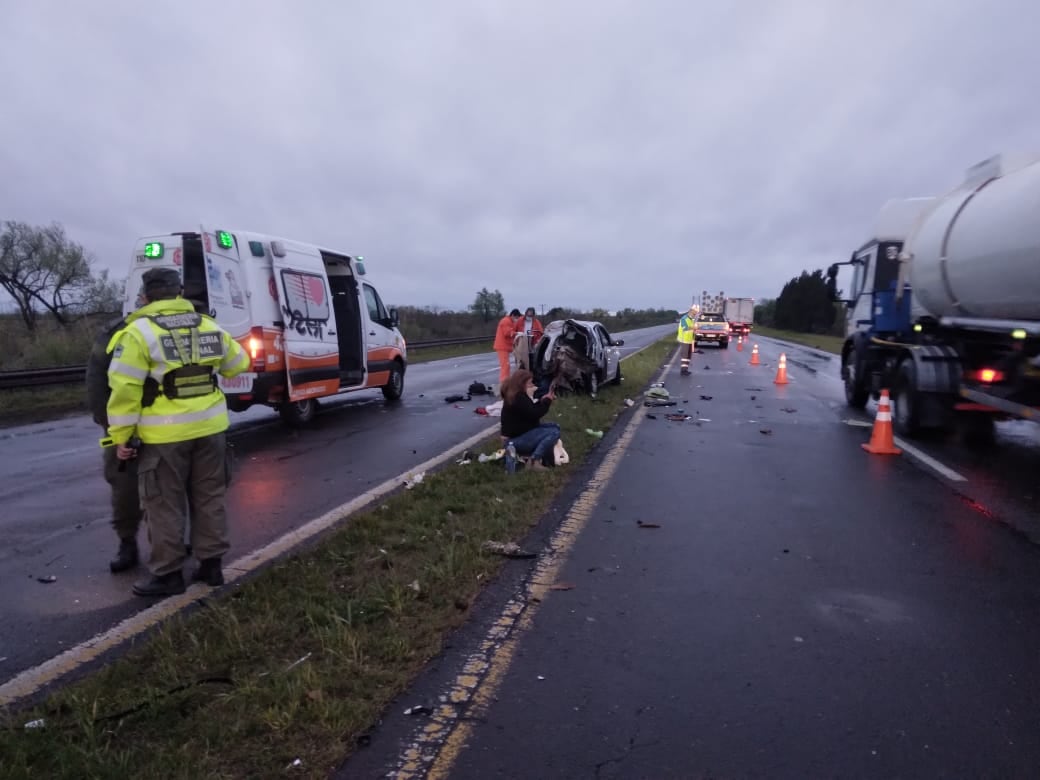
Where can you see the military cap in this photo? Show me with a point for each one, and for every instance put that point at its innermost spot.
(161, 281)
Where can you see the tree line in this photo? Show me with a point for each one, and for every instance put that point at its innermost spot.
(804, 305)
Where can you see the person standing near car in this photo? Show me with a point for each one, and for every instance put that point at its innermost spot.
(521, 426)
(685, 337)
(165, 400)
(504, 343)
(528, 331)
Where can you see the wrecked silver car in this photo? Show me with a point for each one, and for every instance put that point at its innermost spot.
(577, 356)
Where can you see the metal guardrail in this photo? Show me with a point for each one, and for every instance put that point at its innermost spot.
(64, 375)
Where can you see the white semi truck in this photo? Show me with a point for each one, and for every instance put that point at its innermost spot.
(944, 305)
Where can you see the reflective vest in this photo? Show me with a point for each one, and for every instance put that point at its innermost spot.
(687, 326)
(163, 374)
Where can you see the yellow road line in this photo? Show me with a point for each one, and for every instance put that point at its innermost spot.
(437, 746)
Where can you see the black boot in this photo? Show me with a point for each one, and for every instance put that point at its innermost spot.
(210, 572)
(127, 557)
(166, 585)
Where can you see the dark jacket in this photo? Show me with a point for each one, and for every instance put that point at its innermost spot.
(522, 415)
(97, 373)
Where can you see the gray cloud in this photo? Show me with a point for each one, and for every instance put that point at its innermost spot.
(578, 153)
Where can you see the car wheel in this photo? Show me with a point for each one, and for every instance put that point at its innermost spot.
(394, 387)
(617, 374)
(298, 413)
(592, 383)
(724, 344)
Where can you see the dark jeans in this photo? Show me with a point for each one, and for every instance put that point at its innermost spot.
(537, 442)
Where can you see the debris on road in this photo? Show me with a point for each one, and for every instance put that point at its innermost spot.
(706, 397)
(419, 709)
(414, 585)
(652, 416)
(507, 549)
(703, 419)
(35, 724)
(454, 399)
(414, 480)
(678, 417)
(629, 402)
(657, 402)
(47, 580)
(562, 586)
(766, 431)
(641, 524)
(788, 410)
(597, 434)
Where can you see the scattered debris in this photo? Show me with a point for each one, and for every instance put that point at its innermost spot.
(788, 410)
(454, 399)
(766, 431)
(540, 677)
(678, 417)
(297, 662)
(479, 388)
(753, 389)
(296, 762)
(597, 434)
(629, 402)
(641, 524)
(35, 724)
(657, 391)
(420, 709)
(507, 549)
(562, 586)
(798, 639)
(703, 419)
(707, 368)
(786, 551)
(415, 480)
(706, 397)
(652, 416)
(658, 402)
(47, 580)
(753, 398)
(414, 585)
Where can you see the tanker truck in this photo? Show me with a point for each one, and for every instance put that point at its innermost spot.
(944, 305)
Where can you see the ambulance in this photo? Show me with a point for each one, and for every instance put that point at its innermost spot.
(311, 322)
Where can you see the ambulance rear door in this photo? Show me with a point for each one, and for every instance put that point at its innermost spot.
(227, 293)
(304, 298)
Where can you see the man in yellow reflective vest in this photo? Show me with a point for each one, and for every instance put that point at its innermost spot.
(687, 327)
(167, 411)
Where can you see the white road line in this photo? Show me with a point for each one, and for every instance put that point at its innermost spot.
(926, 459)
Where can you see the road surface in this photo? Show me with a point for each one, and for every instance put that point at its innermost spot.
(801, 609)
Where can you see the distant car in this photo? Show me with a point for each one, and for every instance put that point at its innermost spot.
(712, 328)
(577, 354)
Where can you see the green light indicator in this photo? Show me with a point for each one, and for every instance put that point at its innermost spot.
(224, 239)
(918, 327)
(153, 250)
(1018, 333)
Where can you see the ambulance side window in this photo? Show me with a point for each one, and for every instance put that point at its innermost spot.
(376, 310)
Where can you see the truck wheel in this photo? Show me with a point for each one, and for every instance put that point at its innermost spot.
(856, 393)
(906, 401)
(298, 413)
(394, 387)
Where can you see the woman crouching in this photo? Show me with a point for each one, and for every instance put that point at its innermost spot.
(520, 427)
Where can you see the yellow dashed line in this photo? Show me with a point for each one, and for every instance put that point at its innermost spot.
(433, 752)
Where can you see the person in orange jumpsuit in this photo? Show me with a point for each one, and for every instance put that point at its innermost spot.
(504, 343)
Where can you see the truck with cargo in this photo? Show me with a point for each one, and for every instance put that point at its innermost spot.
(310, 320)
(944, 305)
(740, 314)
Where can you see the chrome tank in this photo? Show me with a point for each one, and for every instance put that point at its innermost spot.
(977, 253)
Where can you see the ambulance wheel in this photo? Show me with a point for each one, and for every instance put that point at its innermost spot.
(394, 387)
(297, 413)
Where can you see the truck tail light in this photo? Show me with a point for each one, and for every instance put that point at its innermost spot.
(257, 351)
(990, 375)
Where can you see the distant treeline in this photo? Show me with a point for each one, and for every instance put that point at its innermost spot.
(805, 306)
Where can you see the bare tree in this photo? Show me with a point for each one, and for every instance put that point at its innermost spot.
(42, 266)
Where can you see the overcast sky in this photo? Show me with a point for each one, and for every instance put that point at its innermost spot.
(594, 153)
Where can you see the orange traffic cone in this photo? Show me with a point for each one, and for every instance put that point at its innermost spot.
(740, 343)
(881, 440)
(754, 355)
(781, 372)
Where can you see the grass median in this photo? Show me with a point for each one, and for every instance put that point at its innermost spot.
(299, 661)
(830, 344)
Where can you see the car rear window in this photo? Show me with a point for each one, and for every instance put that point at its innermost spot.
(712, 318)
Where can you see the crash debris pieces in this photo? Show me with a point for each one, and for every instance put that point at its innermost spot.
(507, 549)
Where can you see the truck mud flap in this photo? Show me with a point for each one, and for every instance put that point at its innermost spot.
(938, 369)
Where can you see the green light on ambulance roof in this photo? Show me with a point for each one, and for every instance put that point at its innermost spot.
(153, 250)
(1018, 333)
(224, 239)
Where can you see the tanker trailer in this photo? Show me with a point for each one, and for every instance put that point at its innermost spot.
(944, 305)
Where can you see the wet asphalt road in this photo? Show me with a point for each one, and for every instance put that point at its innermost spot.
(55, 502)
(804, 610)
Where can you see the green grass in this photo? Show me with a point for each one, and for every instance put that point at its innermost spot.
(826, 343)
(301, 660)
